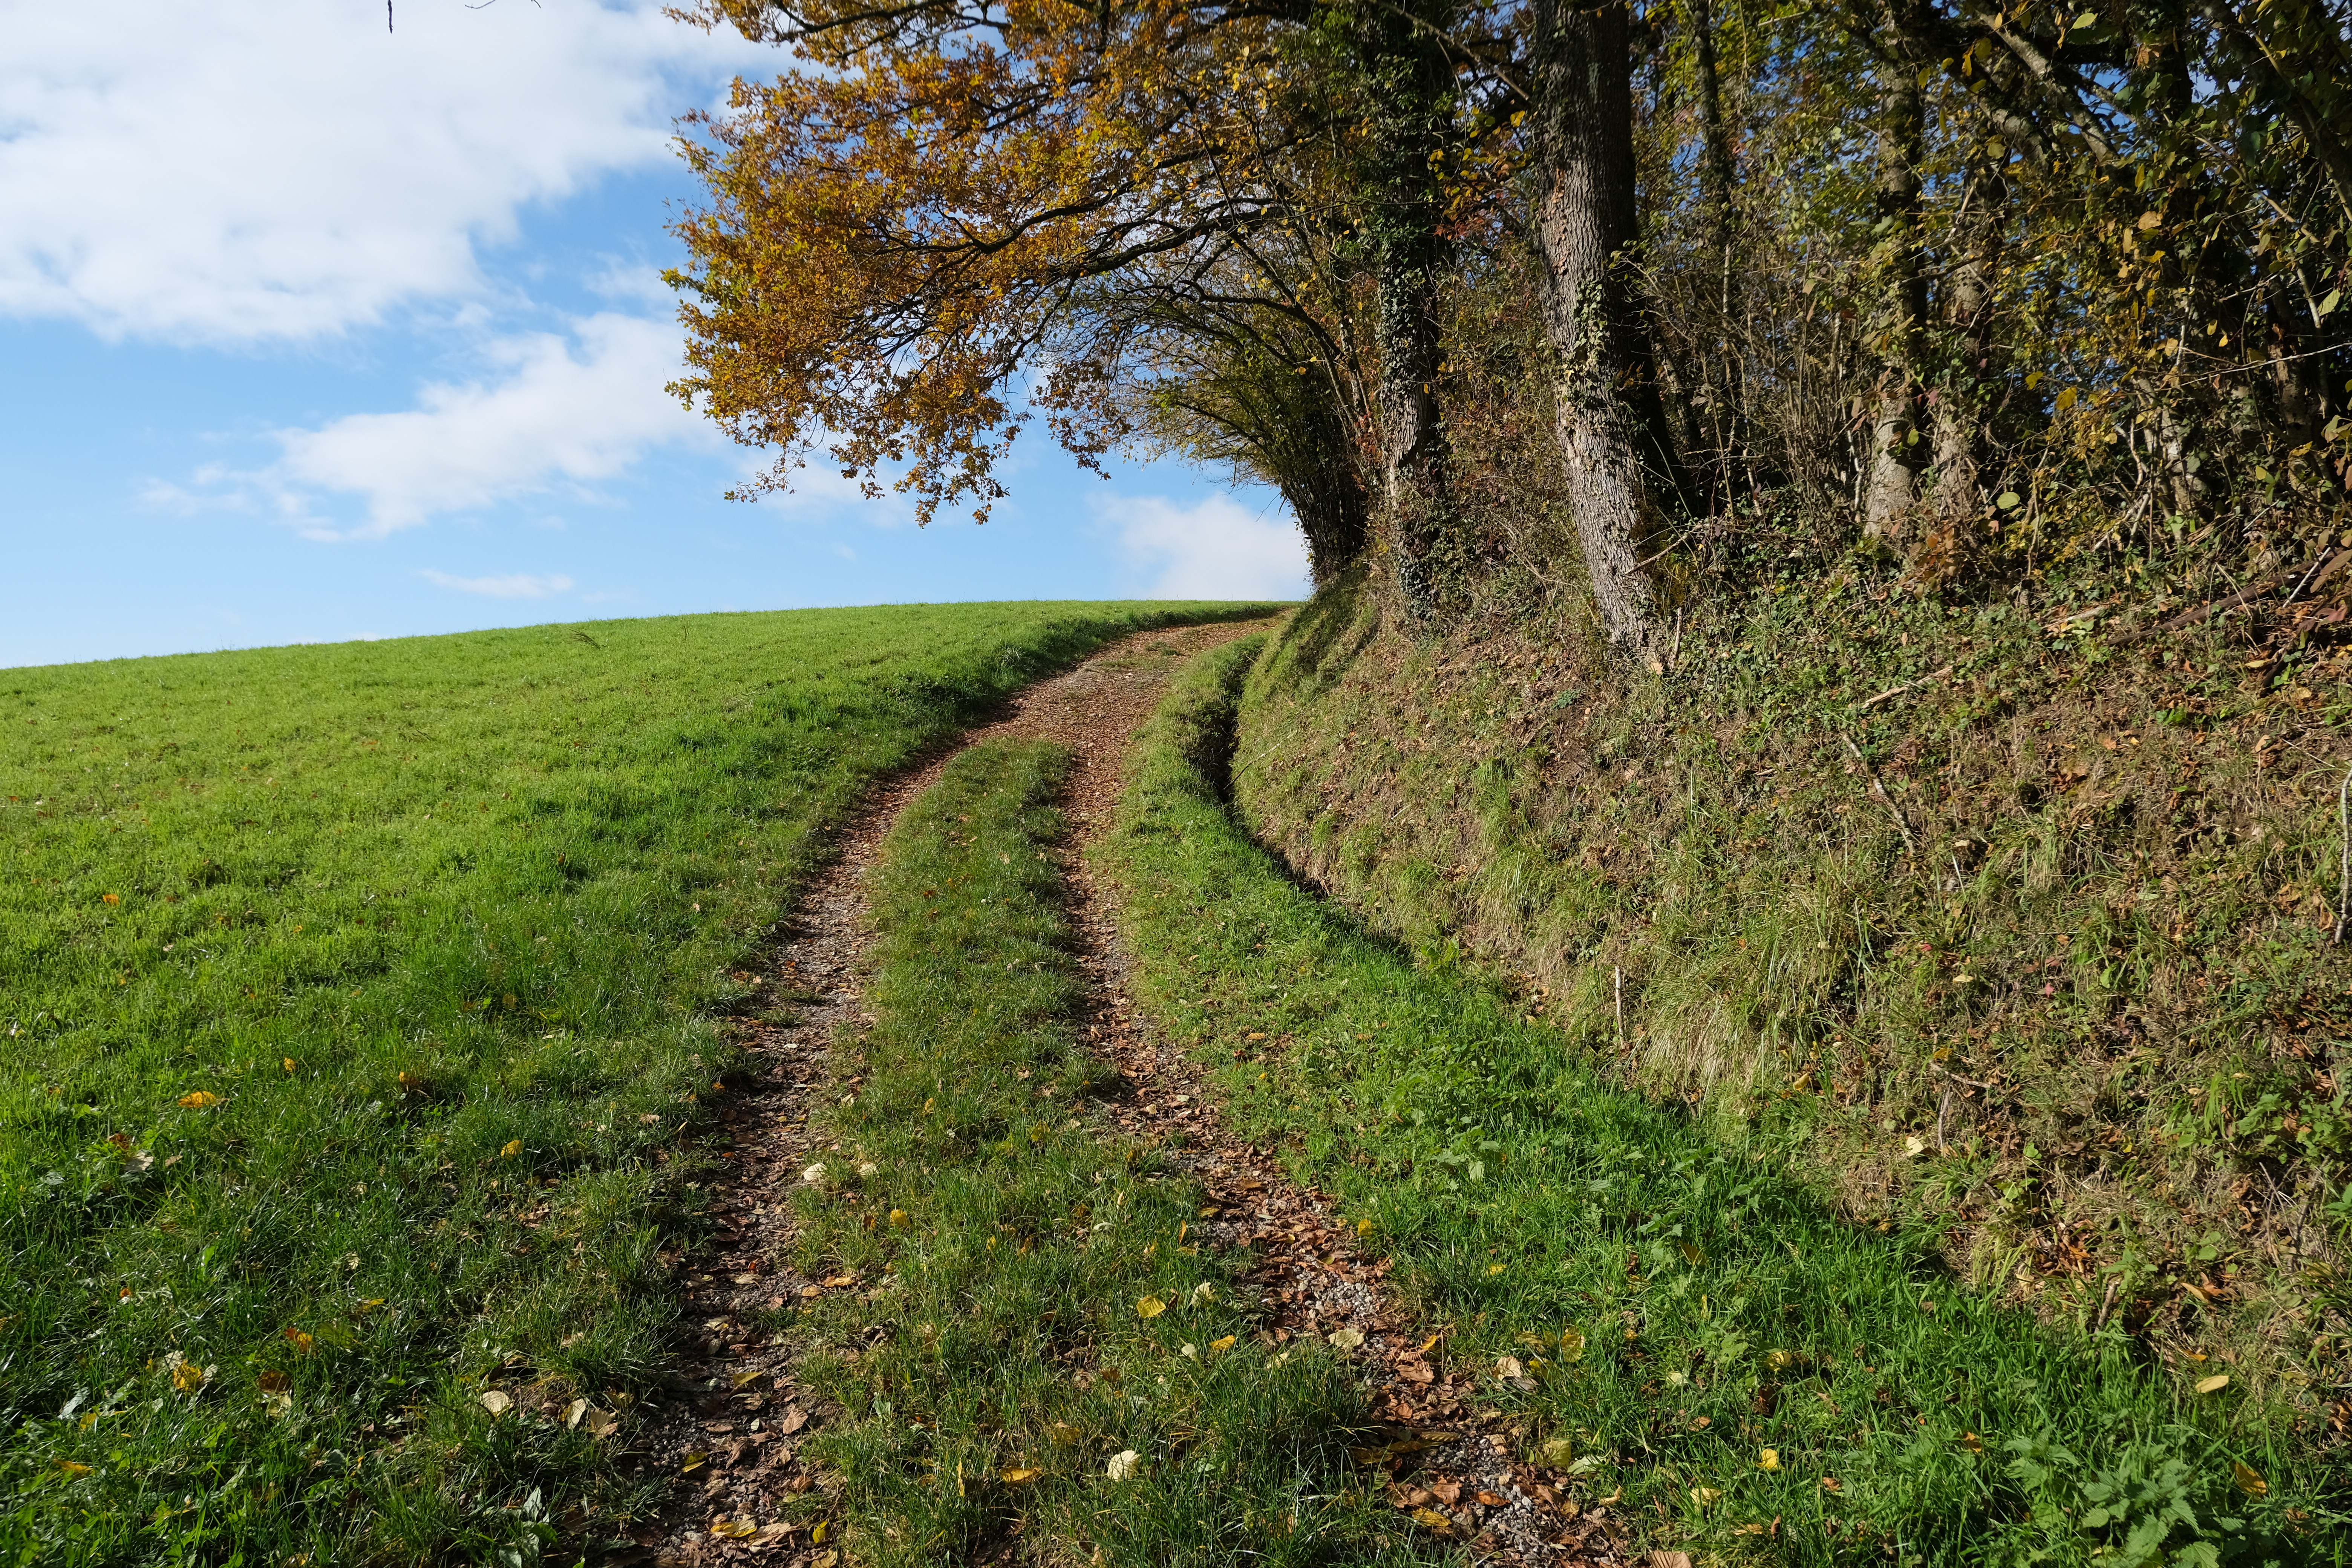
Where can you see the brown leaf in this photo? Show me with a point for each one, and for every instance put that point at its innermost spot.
(793, 1420)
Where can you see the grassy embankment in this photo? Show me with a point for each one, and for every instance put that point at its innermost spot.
(2016, 933)
(1037, 1312)
(353, 999)
(1762, 1379)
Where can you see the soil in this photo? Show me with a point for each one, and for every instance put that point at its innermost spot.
(731, 1431)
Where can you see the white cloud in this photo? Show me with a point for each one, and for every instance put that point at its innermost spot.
(282, 169)
(516, 585)
(1215, 549)
(559, 411)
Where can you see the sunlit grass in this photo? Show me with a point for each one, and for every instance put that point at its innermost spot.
(353, 999)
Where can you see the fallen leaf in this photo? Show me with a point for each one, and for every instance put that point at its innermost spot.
(190, 1378)
(1150, 1306)
(841, 1282)
(2213, 1384)
(1225, 1343)
(1492, 1500)
(1913, 1146)
(274, 1381)
(734, 1528)
(1972, 1443)
(1203, 1291)
(1509, 1366)
(279, 1404)
(1429, 1518)
(1691, 1254)
(1705, 1495)
(793, 1420)
(199, 1099)
(1670, 1559)
(899, 1217)
(73, 1468)
(693, 1461)
(1189, 1350)
(2250, 1481)
(772, 1532)
(1446, 1492)
(826, 1559)
(1779, 1361)
(814, 1173)
(600, 1422)
(1347, 1339)
(573, 1412)
(1769, 1460)
(741, 1378)
(1831, 1484)
(1493, 1268)
(1123, 1465)
(1571, 1344)
(497, 1402)
(1021, 1478)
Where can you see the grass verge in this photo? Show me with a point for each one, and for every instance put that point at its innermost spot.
(1042, 1353)
(352, 1000)
(2016, 930)
(1760, 1379)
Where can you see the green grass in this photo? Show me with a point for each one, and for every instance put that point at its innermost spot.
(353, 1000)
(2080, 1012)
(1682, 1304)
(1015, 1244)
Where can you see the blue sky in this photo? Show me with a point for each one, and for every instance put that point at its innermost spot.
(316, 334)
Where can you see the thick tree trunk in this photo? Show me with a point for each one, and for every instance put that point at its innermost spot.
(1891, 491)
(1410, 84)
(1960, 409)
(1721, 371)
(1623, 479)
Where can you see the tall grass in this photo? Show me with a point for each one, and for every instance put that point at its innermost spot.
(1693, 1330)
(353, 999)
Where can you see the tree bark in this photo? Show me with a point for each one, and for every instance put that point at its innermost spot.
(1624, 483)
(1410, 82)
(1721, 371)
(1958, 415)
(1891, 493)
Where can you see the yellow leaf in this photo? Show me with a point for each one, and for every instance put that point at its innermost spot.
(841, 1282)
(2250, 1481)
(1363, 1228)
(1690, 1254)
(1779, 1361)
(497, 1402)
(1558, 1451)
(511, 1149)
(71, 1468)
(733, 1528)
(600, 1422)
(1021, 1478)
(899, 1217)
(1493, 1269)
(289, 1063)
(1347, 1339)
(280, 1404)
(1150, 1306)
(1123, 1465)
(1431, 1519)
(303, 1343)
(1571, 1344)
(1769, 1460)
(826, 1561)
(189, 1378)
(743, 1379)
(2213, 1384)
(693, 1461)
(816, 1536)
(1224, 1344)
(199, 1099)
(1705, 1495)
(1189, 1350)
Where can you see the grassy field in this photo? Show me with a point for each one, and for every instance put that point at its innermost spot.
(1041, 1314)
(355, 999)
(1760, 1379)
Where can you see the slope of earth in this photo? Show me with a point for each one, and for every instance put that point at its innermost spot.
(1998, 925)
(1652, 1306)
(353, 1000)
(993, 1283)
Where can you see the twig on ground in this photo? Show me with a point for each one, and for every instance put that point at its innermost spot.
(2344, 861)
(1865, 706)
(1879, 790)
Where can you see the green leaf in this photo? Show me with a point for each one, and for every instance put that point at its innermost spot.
(2327, 305)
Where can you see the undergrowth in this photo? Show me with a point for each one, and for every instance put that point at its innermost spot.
(2014, 928)
(1690, 1328)
(352, 1000)
(1041, 1354)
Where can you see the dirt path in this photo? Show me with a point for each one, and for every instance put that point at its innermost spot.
(732, 1435)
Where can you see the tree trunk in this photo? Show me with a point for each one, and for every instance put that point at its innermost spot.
(1891, 492)
(1721, 371)
(1960, 408)
(1624, 483)
(1410, 83)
